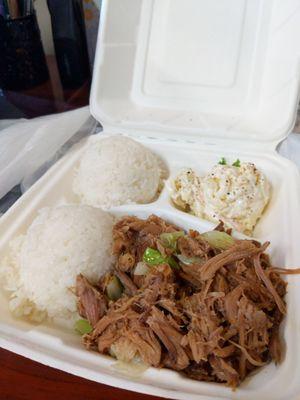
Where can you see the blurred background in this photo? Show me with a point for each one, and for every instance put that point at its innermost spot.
(47, 52)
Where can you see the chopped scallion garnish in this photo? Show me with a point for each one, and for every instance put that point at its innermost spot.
(237, 163)
(154, 257)
(218, 240)
(170, 239)
(83, 326)
(223, 161)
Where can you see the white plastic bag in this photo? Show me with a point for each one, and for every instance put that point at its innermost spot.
(29, 147)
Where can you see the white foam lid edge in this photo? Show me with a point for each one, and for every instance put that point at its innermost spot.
(194, 69)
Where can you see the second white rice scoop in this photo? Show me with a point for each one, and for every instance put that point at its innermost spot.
(115, 171)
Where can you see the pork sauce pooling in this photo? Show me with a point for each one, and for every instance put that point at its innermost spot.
(189, 302)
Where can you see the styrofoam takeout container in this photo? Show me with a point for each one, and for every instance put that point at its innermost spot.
(193, 81)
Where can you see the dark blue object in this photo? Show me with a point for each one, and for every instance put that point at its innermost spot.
(22, 59)
(70, 42)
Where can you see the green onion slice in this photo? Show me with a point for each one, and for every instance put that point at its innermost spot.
(141, 269)
(83, 326)
(170, 239)
(173, 263)
(153, 257)
(189, 260)
(223, 161)
(237, 163)
(218, 240)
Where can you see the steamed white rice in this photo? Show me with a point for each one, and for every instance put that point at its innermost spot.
(42, 267)
(115, 171)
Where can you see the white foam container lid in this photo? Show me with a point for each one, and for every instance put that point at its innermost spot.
(198, 69)
(192, 81)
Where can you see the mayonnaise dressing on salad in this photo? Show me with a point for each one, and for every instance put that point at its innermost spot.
(236, 194)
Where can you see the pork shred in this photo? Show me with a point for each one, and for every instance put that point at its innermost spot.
(215, 319)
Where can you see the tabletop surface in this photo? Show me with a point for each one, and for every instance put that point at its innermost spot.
(23, 379)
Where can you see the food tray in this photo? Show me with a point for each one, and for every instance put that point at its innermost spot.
(61, 348)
